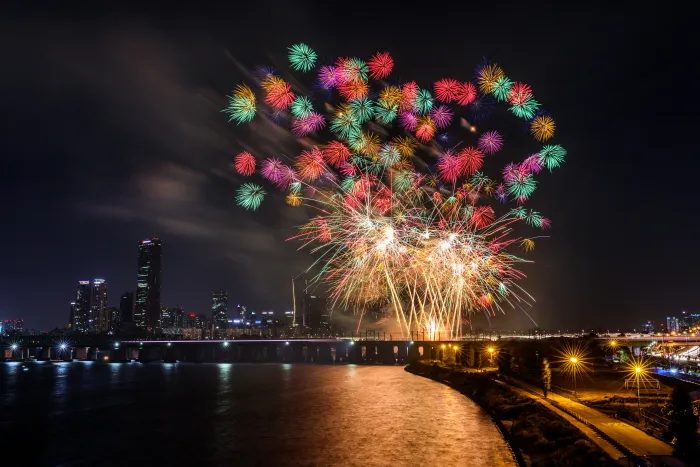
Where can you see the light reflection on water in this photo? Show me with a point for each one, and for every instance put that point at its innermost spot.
(237, 414)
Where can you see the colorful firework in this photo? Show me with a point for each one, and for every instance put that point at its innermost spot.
(402, 223)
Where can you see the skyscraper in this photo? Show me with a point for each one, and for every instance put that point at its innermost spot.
(672, 324)
(99, 321)
(299, 292)
(126, 307)
(81, 312)
(318, 315)
(147, 308)
(219, 309)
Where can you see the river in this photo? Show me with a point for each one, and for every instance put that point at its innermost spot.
(79, 414)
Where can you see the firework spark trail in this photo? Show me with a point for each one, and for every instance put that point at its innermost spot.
(398, 220)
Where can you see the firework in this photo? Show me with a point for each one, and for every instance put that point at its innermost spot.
(244, 163)
(301, 57)
(380, 65)
(490, 142)
(241, 104)
(403, 218)
(250, 195)
(542, 127)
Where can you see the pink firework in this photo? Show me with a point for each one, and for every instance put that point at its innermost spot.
(425, 131)
(470, 160)
(449, 167)
(287, 177)
(545, 223)
(272, 169)
(408, 121)
(280, 95)
(482, 216)
(490, 142)
(519, 93)
(346, 169)
(310, 164)
(511, 172)
(380, 65)
(312, 122)
(349, 70)
(466, 93)
(328, 76)
(442, 116)
(409, 92)
(336, 152)
(446, 89)
(532, 164)
(244, 163)
(361, 187)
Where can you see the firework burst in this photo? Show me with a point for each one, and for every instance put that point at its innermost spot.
(398, 221)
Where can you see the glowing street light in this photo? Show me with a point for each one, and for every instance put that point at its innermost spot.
(225, 344)
(13, 346)
(491, 350)
(63, 346)
(574, 362)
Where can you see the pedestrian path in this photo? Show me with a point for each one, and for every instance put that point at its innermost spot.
(632, 438)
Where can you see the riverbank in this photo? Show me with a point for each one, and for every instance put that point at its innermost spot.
(538, 437)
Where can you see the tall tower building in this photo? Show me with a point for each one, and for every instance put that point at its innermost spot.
(126, 307)
(219, 309)
(81, 311)
(148, 281)
(98, 321)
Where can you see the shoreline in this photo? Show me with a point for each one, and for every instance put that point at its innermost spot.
(534, 436)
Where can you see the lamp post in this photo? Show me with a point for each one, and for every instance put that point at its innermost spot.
(574, 362)
(491, 351)
(637, 373)
(613, 344)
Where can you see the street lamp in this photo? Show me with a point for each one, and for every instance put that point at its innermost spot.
(613, 344)
(13, 347)
(574, 363)
(638, 372)
(491, 350)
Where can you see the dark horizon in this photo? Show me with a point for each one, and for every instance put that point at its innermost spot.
(114, 134)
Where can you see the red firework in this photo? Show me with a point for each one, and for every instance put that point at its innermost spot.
(425, 131)
(446, 89)
(310, 164)
(353, 89)
(312, 122)
(482, 216)
(244, 163)
(519, 93)
(380, 65)
(449, 167)
(466, 93)
(280, 95)
(470, 160)
(336, 152)
(409, 92)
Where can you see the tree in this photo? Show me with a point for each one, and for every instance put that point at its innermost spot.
(545, 376)
(684, 424)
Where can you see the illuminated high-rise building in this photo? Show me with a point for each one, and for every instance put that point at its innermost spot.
(81, 310)
(98, 320)
(126, 307)
(177, 315)
(219, 309)
(318, 317)
(148, 281)
(672, 324)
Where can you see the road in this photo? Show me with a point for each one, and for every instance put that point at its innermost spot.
(632, 438)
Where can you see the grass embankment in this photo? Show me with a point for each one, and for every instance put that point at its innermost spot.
(541, 437)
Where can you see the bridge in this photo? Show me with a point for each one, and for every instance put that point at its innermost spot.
(341, 350)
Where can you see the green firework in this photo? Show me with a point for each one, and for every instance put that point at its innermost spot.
(501, 88)
(424, 102)
(302, 57)
(363, 110)
(301, 107)
(525, 110)
(522, 186)
(386, 112)
(552, 156)
(389, 155)
(250, 195)
(345, 125)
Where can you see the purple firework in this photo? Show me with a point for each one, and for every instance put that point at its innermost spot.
(312, 122)
(511, 171)
(272, 169)
(442, 116)
(408, 121)
(532, 164)
(501, 193)
(287, 176)
(490, 142)
(328, 76)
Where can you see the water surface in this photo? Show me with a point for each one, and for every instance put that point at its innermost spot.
(75, 414)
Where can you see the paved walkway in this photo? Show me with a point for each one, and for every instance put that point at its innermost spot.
(632, 438)
(608, 448)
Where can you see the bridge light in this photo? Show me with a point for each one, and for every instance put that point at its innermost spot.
(14, 346)
(225, 343)
(352, 342)
(286, 343)
(116, 345)
(62, 346)
(410, 343)
(169, 344)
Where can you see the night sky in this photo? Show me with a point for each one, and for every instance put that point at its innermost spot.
(112, 132)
